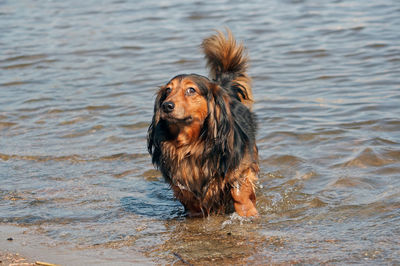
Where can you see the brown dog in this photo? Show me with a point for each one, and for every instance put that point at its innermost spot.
(202, 136)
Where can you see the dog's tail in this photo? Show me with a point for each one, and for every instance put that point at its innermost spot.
(228, 64)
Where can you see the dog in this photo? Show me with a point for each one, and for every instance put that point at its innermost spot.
(202, 134)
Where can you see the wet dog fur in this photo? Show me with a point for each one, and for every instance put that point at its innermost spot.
(202, 135)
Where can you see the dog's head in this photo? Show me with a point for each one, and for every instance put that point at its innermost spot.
(183, 100)
(191, 105)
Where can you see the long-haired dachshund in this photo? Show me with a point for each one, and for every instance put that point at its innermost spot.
(202, 135)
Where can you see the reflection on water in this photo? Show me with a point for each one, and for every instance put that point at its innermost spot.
(77, 85)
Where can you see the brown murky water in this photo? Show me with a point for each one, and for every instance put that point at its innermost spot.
(77, 84)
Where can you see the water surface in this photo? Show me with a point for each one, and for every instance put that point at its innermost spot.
(77, 85)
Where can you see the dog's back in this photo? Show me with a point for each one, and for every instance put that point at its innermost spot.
(228, 63)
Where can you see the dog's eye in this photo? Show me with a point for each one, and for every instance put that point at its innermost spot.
(168, 90)
(190, 91)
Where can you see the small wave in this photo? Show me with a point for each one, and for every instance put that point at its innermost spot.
(23, 220)
(326, 77)
(312, 51)
(358, 124)
(114, 139)
(131, 47)
(317, 203)
(125, 173)
(387, 170)
(367, 210)
(40, 64)
(35, 100)
(319, 135)
(348, 182)
(33, 109)
(84, 132)
(23, 65)
(152, 175)
(72, 158)
(380, 141)
(138, 125)
(4, 125)
(123, 156)
(25, 57)
(279, 136)
(98, 107)
(367, 158)
(14, 83)
(74, 121)
(286, 159)
(357, 28)
(376, 45)
(89, 51)
(115, 84)
(184, 61)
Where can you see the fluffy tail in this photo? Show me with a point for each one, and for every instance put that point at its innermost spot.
(228, 63)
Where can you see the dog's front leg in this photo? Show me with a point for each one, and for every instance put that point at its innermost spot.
(244, 199)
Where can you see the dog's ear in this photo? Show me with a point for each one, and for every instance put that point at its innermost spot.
(152, 138)
(221, 130)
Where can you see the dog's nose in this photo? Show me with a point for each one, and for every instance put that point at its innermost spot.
(168, 107)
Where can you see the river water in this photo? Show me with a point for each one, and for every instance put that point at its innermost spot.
(77, 86)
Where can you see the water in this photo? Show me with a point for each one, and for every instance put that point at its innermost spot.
(77, 85)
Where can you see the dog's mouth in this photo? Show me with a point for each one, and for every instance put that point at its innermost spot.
(175, 120)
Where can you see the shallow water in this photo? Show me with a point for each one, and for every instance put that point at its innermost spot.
(77, 85)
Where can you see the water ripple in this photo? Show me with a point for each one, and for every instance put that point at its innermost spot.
(78, 83)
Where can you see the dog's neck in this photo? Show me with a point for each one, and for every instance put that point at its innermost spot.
(183, 135)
